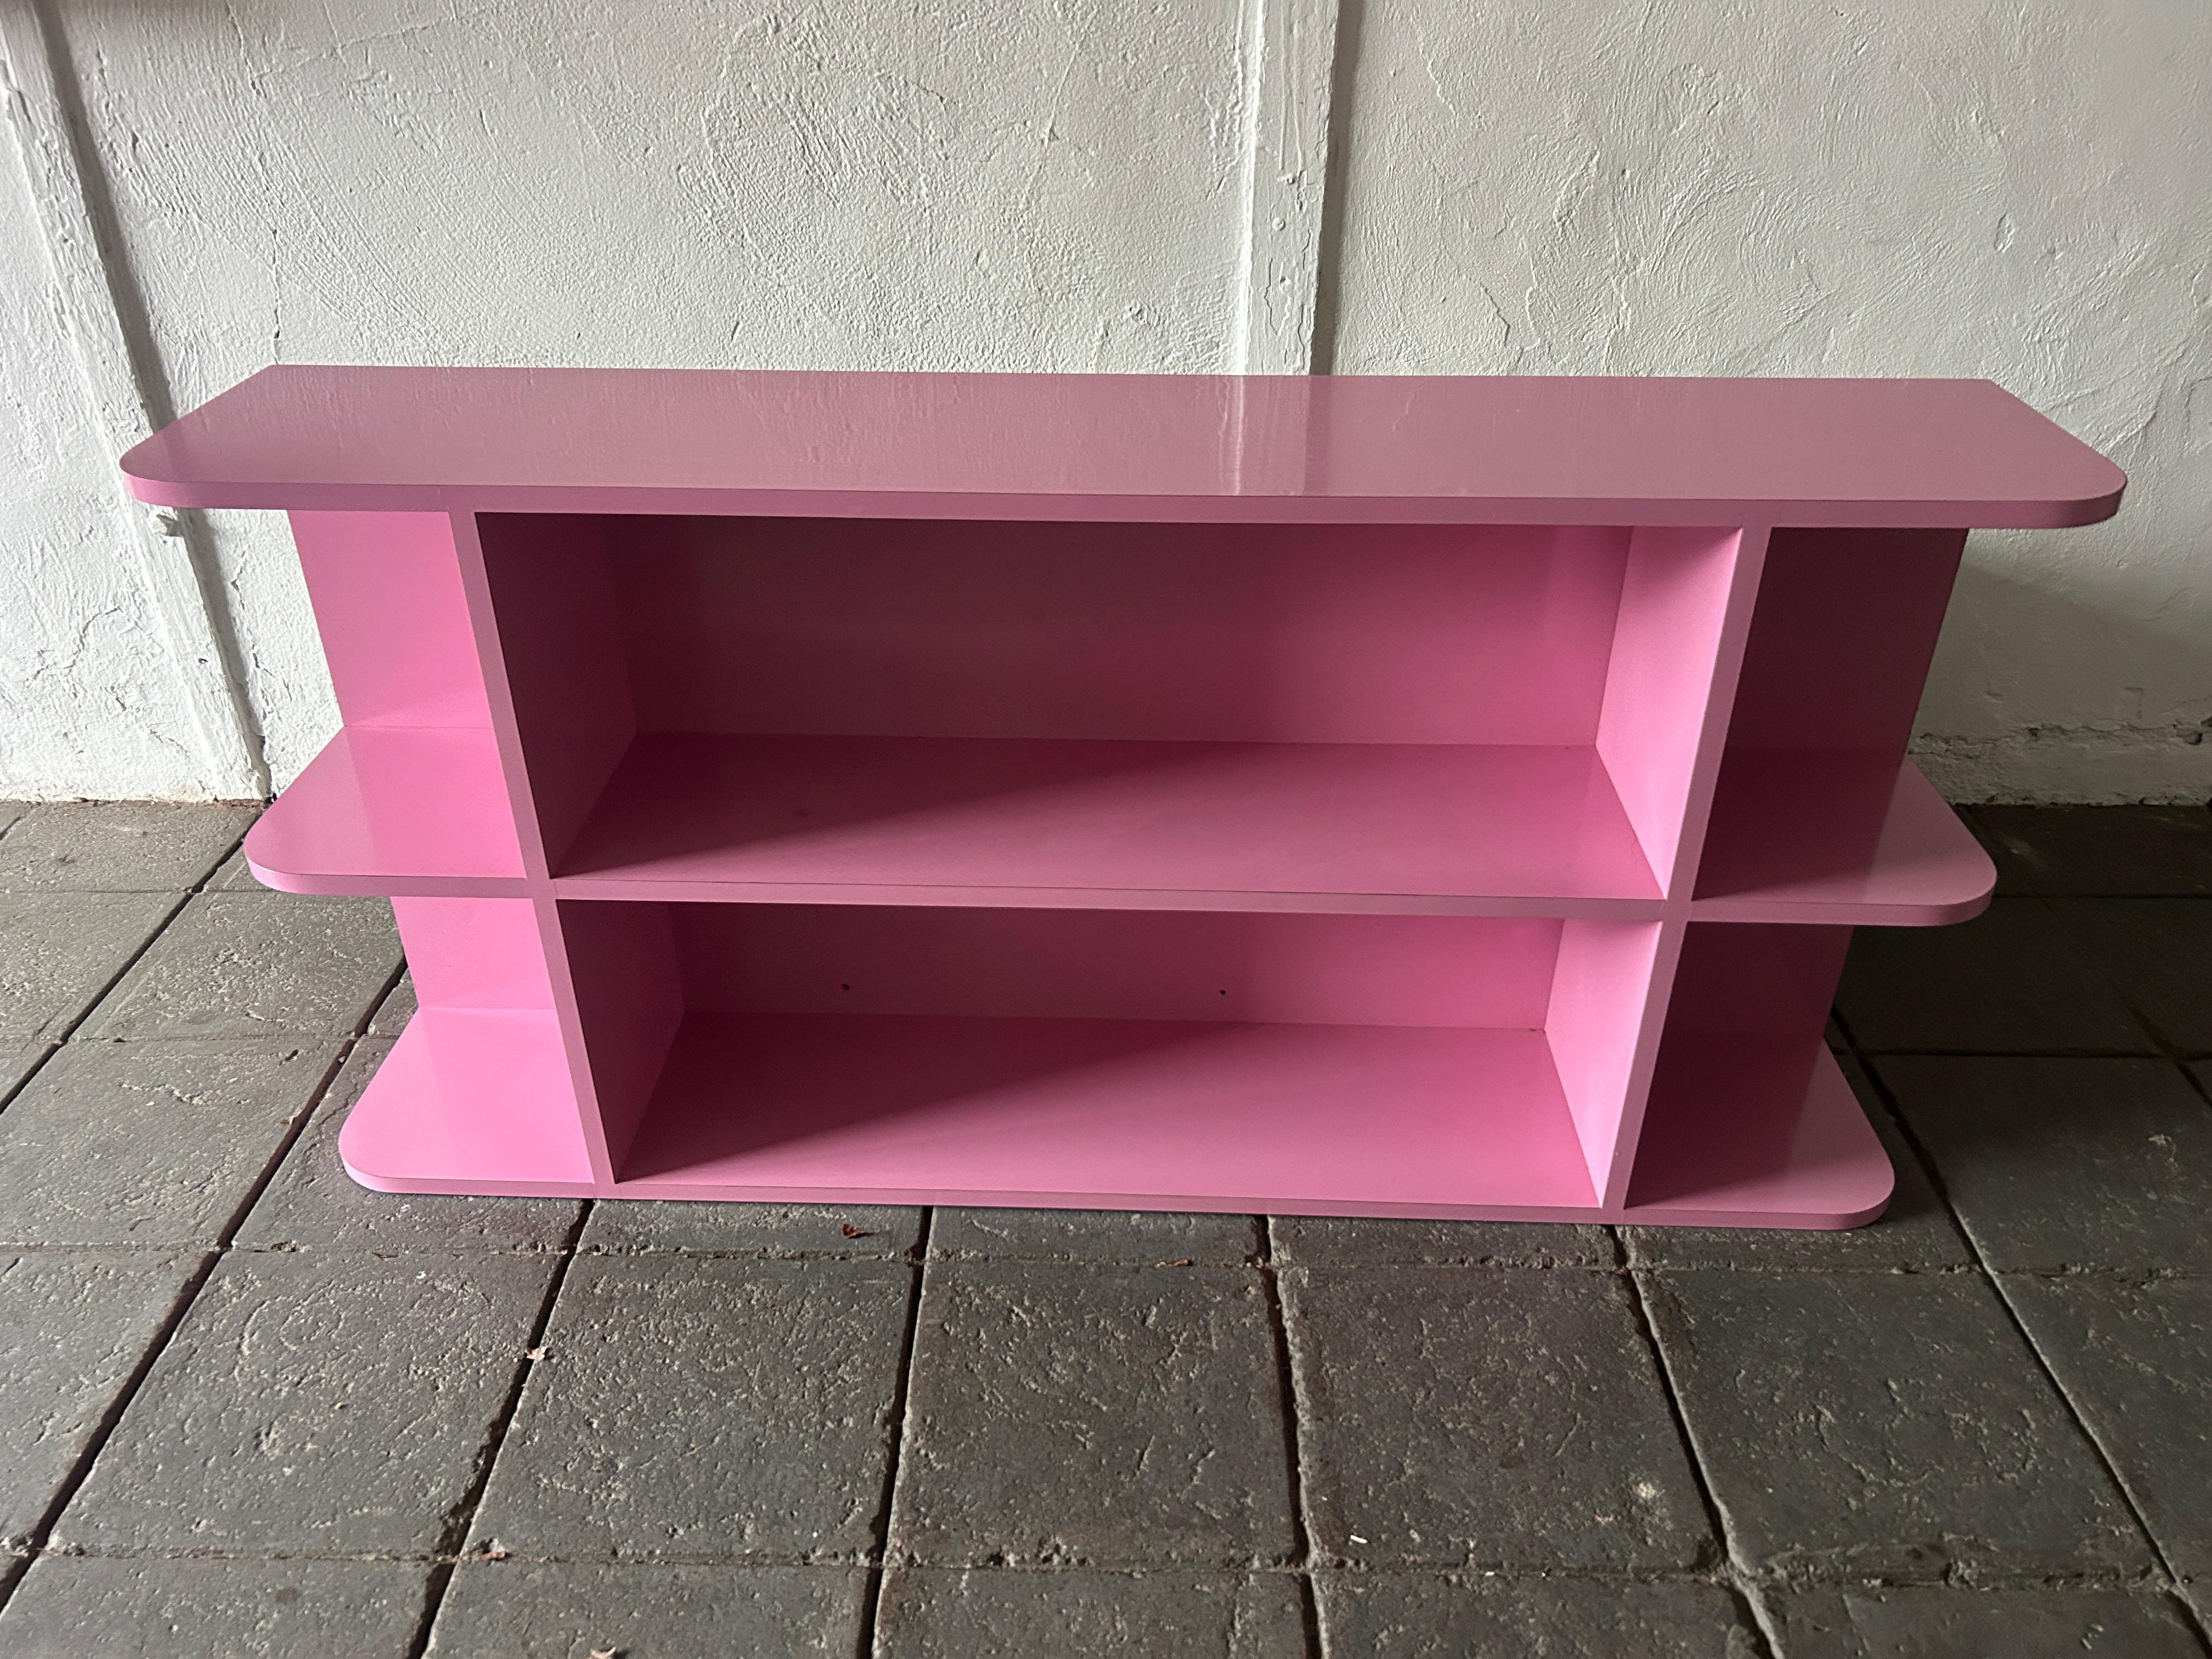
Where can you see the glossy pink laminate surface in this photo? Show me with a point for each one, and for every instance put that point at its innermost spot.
(1166, 1115)
(1322, 1120)
(1442, 796)
(394, 811)
(469, 1102)
(1503, 450)
(1741, 1136)
(1240, 826)
(1837, 835)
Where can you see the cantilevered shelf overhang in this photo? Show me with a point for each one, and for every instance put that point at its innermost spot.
(1426, 796)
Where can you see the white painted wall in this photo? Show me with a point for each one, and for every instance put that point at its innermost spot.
(87, 703)
(2016, 188)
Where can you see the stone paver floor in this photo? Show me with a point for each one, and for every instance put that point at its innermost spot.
(250, 1408)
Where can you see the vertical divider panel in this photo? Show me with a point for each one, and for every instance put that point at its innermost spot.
(1686, 610)
(548, 613)
(1686, 603)
(624, 1002)
(1602, 980)
(536, 589)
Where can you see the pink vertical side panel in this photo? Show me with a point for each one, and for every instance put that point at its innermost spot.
(1751, 979)
(1600, 984)
(1674, 609)
(389, 604)
(1740, 1069)
(1841, 639)
(475, 953)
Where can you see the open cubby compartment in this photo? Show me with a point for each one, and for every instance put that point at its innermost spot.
(410, 796)
(1750, 1122)
(480, 1093)
(1231, 1060)
(1817, 816)
(1447, 718)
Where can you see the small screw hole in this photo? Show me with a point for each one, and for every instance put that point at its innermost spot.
(844, 987)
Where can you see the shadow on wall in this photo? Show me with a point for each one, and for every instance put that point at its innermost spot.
(2010, 645)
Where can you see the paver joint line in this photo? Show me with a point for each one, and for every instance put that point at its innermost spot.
(1294, 1432)
(879, 1546)
(1728, 1569)
(2198, 1625)
(112, 1416)
(462, 1514)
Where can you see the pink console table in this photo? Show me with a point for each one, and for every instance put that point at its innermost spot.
(1393, 797)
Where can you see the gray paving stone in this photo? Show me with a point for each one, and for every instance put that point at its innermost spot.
(247, 965)
(120, 847)
(89, 1608)
(232, 876)
(1486, 1416)
(1326, 1241)
(396, 1009)
(568, 1610)
(2136, 1361)
(1095, 1415)
(2159, 953)
(1914, 1622)
(323, 1403)
(1883, 1425)
(2146, 850)
(2009, 981)
(1916, 1231)
(2057, 1163)
(2014, 876)
(695, 1408)
(634, 1226)
(1136, 1237)
(311, 1203)
(1457, 1616)
(59, 951)
(17, 1064)
(954, 1612)
(72, 1328)
(148, 1143)
(11, 811)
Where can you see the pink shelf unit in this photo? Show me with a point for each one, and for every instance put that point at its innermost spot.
(1397, 796)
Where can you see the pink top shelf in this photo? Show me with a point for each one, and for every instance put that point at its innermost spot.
(1517, 449)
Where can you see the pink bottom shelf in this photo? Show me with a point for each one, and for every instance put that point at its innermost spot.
(470, 1101)
(1721, 1149)
(1451, 1123)
(1175, 1114)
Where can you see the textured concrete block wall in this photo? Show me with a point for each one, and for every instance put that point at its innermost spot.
(2014, 188)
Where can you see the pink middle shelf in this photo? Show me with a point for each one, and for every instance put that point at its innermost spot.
(1413, 827)
(1797, 835)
